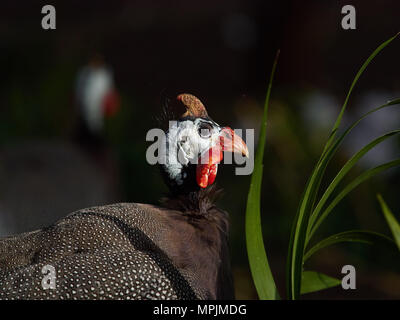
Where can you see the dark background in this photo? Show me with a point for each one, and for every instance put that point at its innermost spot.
(222, 52)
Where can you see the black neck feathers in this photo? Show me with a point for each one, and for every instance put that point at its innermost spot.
(196, 203)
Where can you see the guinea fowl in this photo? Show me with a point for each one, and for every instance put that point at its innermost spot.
(138, 251)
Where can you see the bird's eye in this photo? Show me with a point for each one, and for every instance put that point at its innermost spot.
(205, 130)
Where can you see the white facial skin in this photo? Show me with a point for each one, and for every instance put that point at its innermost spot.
(186, 141)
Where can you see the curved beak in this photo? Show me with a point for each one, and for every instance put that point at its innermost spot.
(231, 142)
(208, 163)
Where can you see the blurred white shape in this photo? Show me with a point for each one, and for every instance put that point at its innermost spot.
(319, 111)
(373, 126)
(94, 86)
(239, 31)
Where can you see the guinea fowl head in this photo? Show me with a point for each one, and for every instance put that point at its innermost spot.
(194, 146)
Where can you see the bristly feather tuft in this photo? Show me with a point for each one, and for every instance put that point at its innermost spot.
(196, 203)
(171, 111)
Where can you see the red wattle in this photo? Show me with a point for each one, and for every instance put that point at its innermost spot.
(206, 170)
(212, 174)
(202, 172)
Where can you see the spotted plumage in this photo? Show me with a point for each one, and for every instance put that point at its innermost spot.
(121, 251)
(137, 251)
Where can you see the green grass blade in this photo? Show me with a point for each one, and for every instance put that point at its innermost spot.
(342, 173)
(315, 281)
(298, 236)
(352, 185)
(362, 236)
(259, 266)
(391, 220)
(330, 153)
(355, 80)
(300, 228)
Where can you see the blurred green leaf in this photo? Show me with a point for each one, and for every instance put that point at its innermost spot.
(362, 236)
(315, 281)
(391, 220)
(259, 266)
